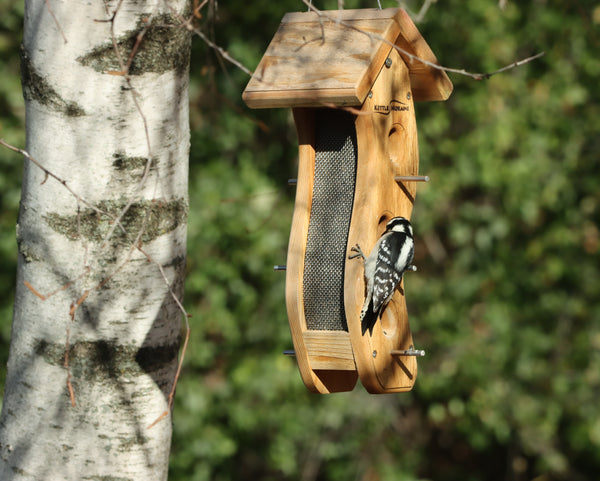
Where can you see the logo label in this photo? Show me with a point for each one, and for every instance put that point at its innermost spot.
(394, 106)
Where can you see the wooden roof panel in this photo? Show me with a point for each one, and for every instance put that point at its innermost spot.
(334, 58)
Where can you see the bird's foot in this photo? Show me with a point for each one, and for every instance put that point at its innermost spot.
(358, 252)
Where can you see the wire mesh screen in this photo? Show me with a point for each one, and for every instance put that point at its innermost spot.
(332, 199)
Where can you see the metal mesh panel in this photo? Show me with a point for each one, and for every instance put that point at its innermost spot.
(333, 196)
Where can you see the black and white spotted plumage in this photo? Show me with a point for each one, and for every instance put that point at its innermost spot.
(390, 257)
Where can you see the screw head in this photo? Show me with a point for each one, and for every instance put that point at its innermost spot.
(374, 353)
(408, 95)
(388, 62)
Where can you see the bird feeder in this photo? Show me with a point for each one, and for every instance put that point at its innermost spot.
(351, 78)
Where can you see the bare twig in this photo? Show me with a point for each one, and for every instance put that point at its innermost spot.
(188, 24)
(124, 68)
(352, 110)
(179, 365)
(43, 297)
(518, 63)
(30, 287)
(186, 339)
(56, 21)
(197, 7)
(423, 11)
(136, 46)
(68, 368)
(48, 174)
(85, 249)
(77, 303)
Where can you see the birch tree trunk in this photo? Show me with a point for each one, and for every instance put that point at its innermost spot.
(96, 327)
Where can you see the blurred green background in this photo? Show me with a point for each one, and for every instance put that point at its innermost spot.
(506, 301)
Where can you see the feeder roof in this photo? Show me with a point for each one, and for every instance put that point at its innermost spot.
(332, 58)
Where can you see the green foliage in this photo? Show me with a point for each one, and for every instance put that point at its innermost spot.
(12, 129)
(505, 301)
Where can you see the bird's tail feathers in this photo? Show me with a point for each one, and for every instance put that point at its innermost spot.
(368, 318)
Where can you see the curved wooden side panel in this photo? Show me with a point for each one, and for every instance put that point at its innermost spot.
(387, 147)
(325, 358)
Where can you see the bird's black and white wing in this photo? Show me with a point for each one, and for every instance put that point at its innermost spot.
(394, 256)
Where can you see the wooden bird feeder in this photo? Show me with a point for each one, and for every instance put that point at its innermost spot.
(351, 82)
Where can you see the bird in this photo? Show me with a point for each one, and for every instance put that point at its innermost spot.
(384, 268)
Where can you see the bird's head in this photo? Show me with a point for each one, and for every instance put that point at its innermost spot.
(399, 224)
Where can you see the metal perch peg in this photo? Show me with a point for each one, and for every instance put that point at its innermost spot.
(407, 352)
(412, 178)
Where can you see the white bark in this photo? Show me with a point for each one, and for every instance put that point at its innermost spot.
(84, 127)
